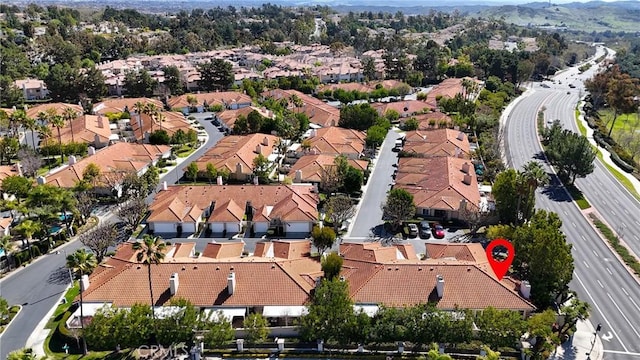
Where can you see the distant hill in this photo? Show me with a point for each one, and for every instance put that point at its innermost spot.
(592, 16)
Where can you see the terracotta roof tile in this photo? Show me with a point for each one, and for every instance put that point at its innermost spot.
(335, 140)
(236, 149)
(32, 112)
(223, 250)
(439, 142)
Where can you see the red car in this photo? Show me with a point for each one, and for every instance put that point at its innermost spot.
(438, 231)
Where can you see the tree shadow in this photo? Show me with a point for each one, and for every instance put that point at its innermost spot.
(59, 276)
(540, 156)
(555, 191)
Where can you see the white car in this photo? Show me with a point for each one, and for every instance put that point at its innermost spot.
(413, 230)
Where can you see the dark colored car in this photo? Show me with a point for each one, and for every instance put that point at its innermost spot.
(438, 231)
(425, 230)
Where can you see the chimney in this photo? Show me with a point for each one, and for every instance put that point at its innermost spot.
(239, 169)
(265, 141)
(258, 149)
(19, 169)
(72, 160)
(256, 181)
(298, 177)
(318, 281)
(467, 179)
(465, 168)
(96, 139)
(173, 283)
(164, 185)
(91, 150)
(41, 180)
(84, 283)
(219, 180)
(312, 133)
(440, 285)
(525, 289)
(457, 152)
(231, 283)
(460, 136)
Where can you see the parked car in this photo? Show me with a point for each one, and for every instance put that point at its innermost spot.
(425, 230)
(438, 231)
(413, 230)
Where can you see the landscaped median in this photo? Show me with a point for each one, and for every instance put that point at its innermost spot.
(7, 314)
(614, 241)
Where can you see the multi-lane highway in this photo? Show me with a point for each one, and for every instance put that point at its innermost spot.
(599, 276)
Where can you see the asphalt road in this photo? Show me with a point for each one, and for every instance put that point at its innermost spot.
(369, 215)
(599, 277)
(38, 286)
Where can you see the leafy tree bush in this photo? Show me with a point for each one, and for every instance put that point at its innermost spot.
(159, 137)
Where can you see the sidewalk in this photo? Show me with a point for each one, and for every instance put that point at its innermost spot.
(606, 155)
(583, 345)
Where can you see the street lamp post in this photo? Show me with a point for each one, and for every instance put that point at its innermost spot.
(68, 269)
(593, 343)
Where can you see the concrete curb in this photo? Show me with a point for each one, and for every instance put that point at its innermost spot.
(11, 322)
(40, 334)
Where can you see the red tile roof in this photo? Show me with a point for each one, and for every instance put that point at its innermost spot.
(337, 141)
(226, 98)
(312, 167)
(439, 142)
(237, 149)
(438, 182)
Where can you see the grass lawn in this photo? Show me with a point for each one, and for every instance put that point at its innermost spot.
(184, 150)
(619, 176)
(13, 311)
(581, 128)
(624, 123)
(629, 259)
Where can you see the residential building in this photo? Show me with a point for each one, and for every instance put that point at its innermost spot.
(33, 112)
(91, 129)
(5, 226)
(278, 278)
(311, 168)
(114, 162)
(441, 185)
(32, 89)
(229, 99)
(227, 118)
(431, 120)
(235, 154)
(335, 141)
(227, 209)
(9, 170)
(439, 142)
(117, 105)
(404, 108)
(171, 122)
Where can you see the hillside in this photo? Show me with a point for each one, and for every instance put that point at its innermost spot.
(595, 16)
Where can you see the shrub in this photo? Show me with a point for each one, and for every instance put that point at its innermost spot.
(622, 164)
(35, 250)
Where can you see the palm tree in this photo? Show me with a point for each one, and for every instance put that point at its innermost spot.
(532, 177)
(32, 125)
(150, 251)
(81, 262)
(58, 122)
(160, 118)
(69, 115)
(7, 245)
(139, 108)
(27, 229)
(152, 111)
(15, 120)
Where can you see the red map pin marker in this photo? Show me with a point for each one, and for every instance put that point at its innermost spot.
(500, 267)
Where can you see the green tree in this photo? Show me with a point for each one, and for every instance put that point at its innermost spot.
(339, 209)
(532, 177)
(410, 124)
(257, 328)
(505, 193)
(217, 74)
(499, 328)
(58, 122)
(28, 228)
(352, 180)
(81, 263)
(375, 136)
(359, 117)
(179, 325)
(150, 251)
(172, 80)
(151, 178)
(540, 329)
(91, 173)
(217, 329)
(68, 115)
(159, 137)
(63, 83)
(9, 148)
(261, 168)
(92, 83)
(398, 207)
(332, 265)
(543, 256)
(11, 95)
(330, 313)
(571, 153)
(139, 84)
(7, 245)
(322, 238)
(17, 186)
(573, 311)
(22, 354)
(211, 172)
(192, 172)
(621, 96)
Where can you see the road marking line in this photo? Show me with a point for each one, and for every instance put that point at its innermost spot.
(625, 211)
(621, 352)
(609, 271)
(595, 253)
(600, 311)
(625, 291)
(585, 264)
(624, 316)
(599, 283)
(574, 224)
(616, 201)
(634, 303)
(613, 212)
